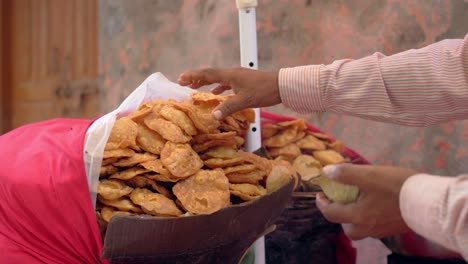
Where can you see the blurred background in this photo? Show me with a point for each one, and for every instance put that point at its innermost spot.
(81, 58)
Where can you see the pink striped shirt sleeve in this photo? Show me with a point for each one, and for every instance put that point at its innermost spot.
(416, 88)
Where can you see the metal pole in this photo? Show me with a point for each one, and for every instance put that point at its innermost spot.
(249, 59)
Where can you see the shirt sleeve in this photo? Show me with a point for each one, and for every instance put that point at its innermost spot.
(437, 208)
(417, 87)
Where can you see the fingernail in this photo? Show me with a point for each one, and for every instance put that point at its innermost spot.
(330, 170)
(217, 114)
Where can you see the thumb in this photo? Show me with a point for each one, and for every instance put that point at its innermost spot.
(358, 175)
(230, 106)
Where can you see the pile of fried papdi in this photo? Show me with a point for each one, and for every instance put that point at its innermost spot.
(173, 159)
(307, 151)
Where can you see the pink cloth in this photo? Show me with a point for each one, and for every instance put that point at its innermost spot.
(46, 213)
(415, 88)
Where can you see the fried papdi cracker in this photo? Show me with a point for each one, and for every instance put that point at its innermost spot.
(221, 163)
(269, 130)
(307, 166)
(252, 177)
(327, 157)
(203, 121)
(290, 150)
(217, 136)
(154, 203)
(168, 130)
(155, 165)
(300, 135)
(221, 152)
(113, 189)
(150, 140)
(246, 116)
(298, 124)
(108, 170)
(205, 97)
(279, 176)
(310, 142)
(139, 115)
(261, 163)
(180, 159)
(337, 146)
(118, 153)
(204, 193)
(129, 173)
(163, 177)
(246, 191)
(285, 158)
(123, 134)
(179, 118)
(143, 181)
(240, 168)
(231, 142)
(321, 136)
(135, 159)
(123, 204)
(108, 212)
(108, 161)
(282, 138)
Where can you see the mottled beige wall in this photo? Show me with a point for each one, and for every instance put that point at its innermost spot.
(143, 36)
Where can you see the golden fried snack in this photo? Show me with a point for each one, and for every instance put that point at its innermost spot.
(113, 189)
(143, 181)
(230, 124)
(321, 136)
(252, 177)
(246, 191)
(214, 136)
(261, 163)
(281, 139)
(123, 134)
(108, 161)
(150, 140)
(337, 146)
(279, 176)
(107, 170)
(168, 130)
(118, 153)
(154, 203)
(180, 159)
(329, 156)
(285, 158)
(162, 177)
(204, 193)
(123, 204)
(156, 166)
(290, 150)
(245, 116)
(107, 213)
(307, 166)
(297, 124)
(135, 160)
(179, 118)
(230, 142)
(128, 173)
(221, 152)
(207, 98)
(269, 130)
(139, 115)
(203, 121)
(310, 142)
(300, 135)
(221, 163)
(240, 168)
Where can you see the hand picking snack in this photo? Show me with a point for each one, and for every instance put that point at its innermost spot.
(172, 159)
(308, 152)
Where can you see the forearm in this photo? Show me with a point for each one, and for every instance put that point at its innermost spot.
(416, 87)
(437, 208)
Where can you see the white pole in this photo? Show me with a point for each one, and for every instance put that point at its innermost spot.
(248, 54)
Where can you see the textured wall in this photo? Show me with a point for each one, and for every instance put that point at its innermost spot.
(142, 36)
